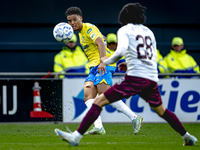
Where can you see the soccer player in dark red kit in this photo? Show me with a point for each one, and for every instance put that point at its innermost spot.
(137, 43)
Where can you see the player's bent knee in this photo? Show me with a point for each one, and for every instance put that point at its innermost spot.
(160, 110)
(101, 100)
(90, 91)
(88, 97)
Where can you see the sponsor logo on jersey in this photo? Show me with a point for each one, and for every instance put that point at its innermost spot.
(92, 35)
(89, 30)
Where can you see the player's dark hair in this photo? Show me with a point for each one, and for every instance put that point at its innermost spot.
(132, 13)
(73, 11)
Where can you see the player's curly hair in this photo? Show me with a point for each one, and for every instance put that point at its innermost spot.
(132, 13)
(73, 11)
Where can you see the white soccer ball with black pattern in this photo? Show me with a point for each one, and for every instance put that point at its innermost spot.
(63, 32)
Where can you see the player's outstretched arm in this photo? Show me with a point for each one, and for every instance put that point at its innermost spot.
(116, 56)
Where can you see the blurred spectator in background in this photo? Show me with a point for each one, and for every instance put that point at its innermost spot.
(70, 59)
(178, 61)
(161, 64)
(111, 39)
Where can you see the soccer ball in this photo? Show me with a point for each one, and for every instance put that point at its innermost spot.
(63, 32)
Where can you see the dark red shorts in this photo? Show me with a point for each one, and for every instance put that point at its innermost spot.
(130, 86)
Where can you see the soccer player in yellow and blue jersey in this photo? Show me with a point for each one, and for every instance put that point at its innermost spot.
(100, 75)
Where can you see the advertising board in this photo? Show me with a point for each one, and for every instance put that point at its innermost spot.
(181, 96)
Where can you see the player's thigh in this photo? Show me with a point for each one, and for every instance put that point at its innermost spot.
(102, 87)
(90, 91)
(101, 100)
(151, 94)
(126, 87)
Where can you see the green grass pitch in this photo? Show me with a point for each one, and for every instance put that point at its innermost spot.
(119, 136)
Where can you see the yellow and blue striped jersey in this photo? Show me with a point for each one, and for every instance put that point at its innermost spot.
(87, 36)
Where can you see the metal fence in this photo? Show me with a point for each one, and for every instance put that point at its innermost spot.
(55, 75)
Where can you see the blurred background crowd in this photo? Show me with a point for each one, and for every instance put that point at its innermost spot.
(27, 43)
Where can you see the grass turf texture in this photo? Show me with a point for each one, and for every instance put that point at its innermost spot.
(119, 136)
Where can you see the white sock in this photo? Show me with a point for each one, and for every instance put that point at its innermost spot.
(186, 135)
(98, 122)
(89, 103)
(122, 107)
(78, 135)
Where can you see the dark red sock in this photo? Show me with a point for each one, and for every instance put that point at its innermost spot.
(89, 119)
(171, 118)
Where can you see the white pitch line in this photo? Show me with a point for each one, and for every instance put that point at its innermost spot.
(86, 143)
